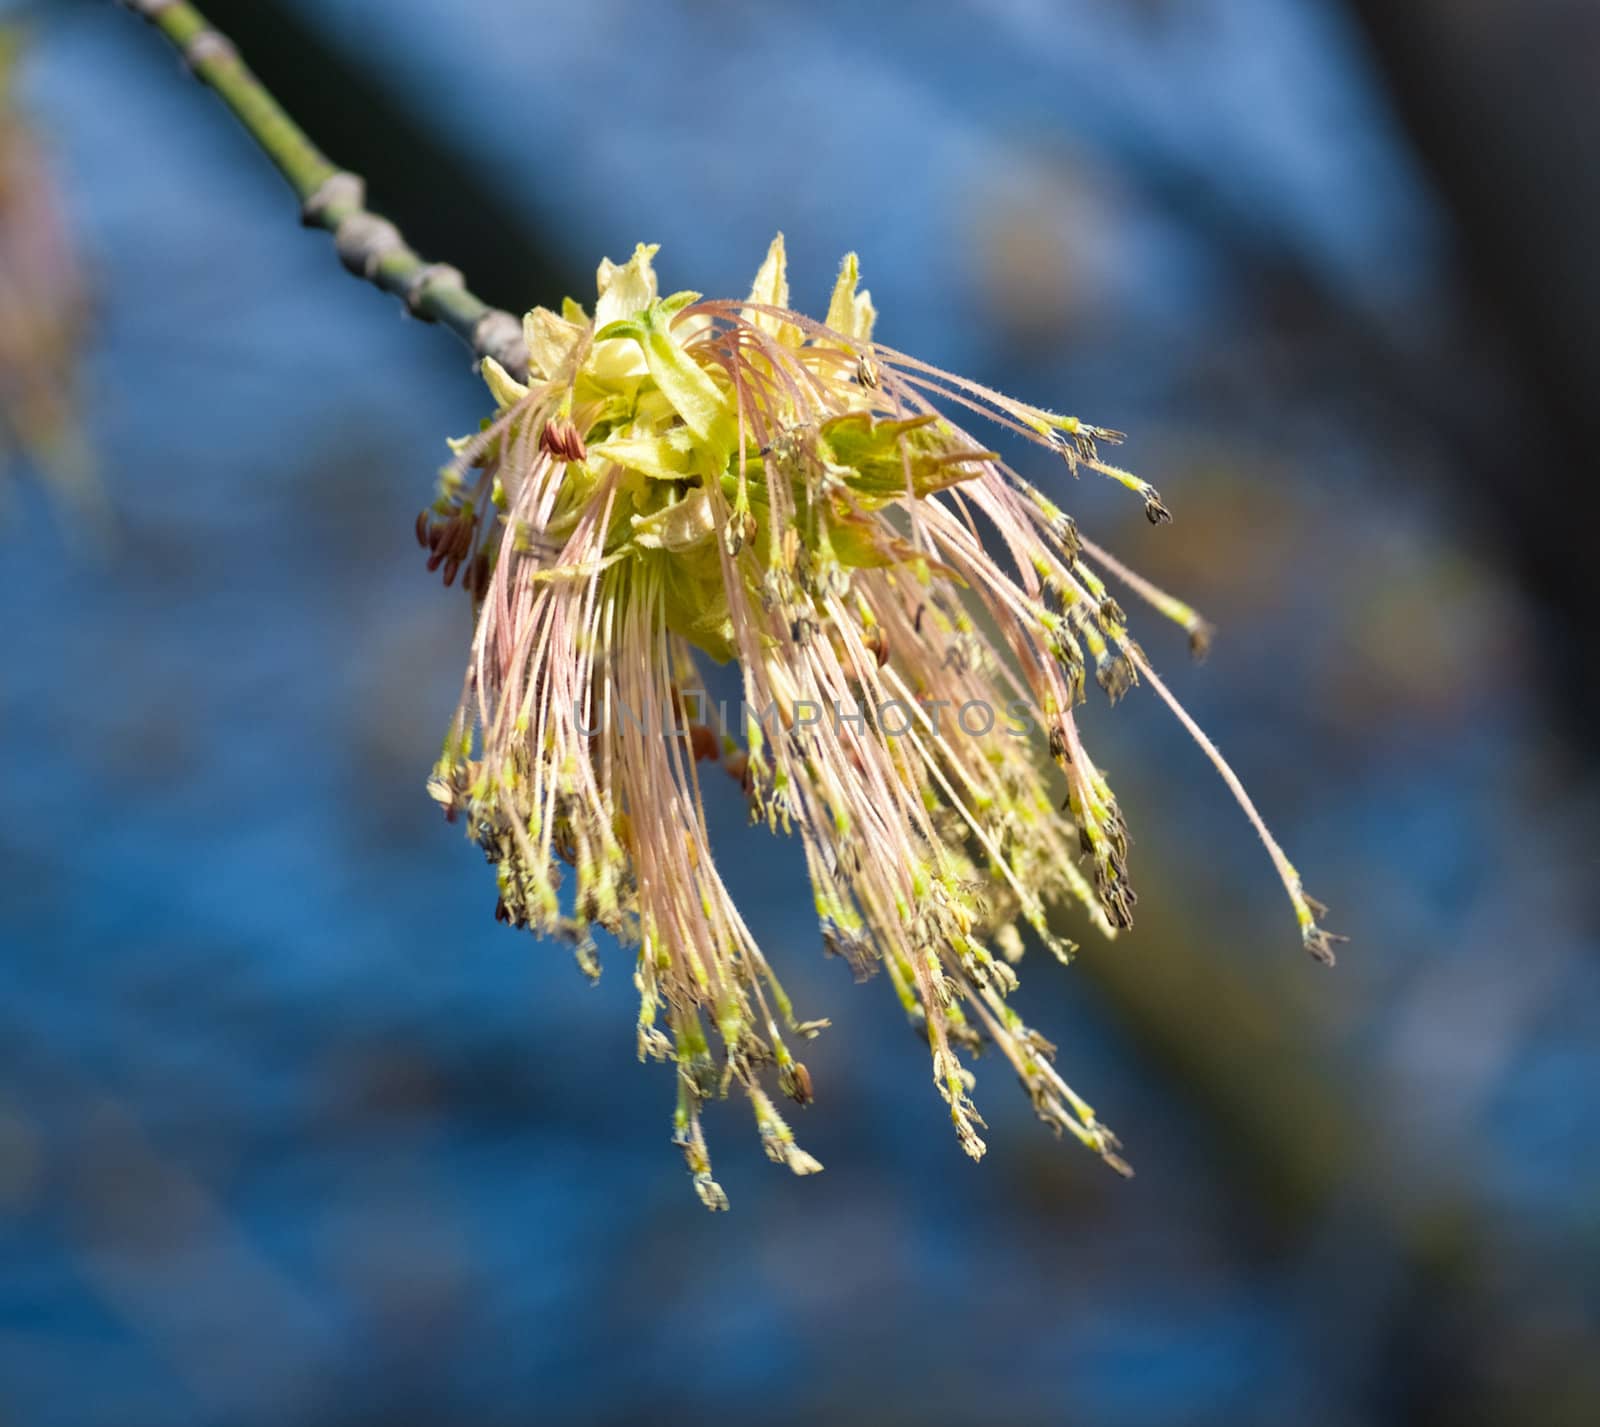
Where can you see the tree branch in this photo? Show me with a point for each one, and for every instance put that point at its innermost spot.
(334, 199)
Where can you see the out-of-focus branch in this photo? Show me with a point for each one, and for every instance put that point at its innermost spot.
(333, 198)
(446, 195)
(1497, 98)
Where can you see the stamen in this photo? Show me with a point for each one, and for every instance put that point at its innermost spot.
(736, 480)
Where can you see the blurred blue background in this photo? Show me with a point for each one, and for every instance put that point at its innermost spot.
(292, 1131)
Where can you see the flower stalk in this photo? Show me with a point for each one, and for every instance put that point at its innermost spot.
(332, 198)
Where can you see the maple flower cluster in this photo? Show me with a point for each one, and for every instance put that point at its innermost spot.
(681, 478)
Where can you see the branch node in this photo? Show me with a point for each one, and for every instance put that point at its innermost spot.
(334, 199)
(363, 240)
(208, 45)
(432, 278)
(343, 190)
(499, 335)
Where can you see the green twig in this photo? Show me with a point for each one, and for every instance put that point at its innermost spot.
(369, 246)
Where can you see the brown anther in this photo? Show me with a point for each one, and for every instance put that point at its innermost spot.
(1118, 907)
(435, 560)
(704, 743)
(1201, 634)
(422, 528)
(451, 566)
(1039, 1045)
(1066, 531)
(1116, 676)
(1116, 1162)
(1321, 944)
(560, 438)
(795, 1082)
(476, 580)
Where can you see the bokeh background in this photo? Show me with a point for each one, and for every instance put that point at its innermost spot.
(292, 1131)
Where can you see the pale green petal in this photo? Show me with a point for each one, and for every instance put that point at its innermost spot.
(771, 289)
(772, 279)
(681, 526)
(842, 306)
(686, 329)
(705, 408)
(550, 339)
(505, 388)
(865, 316)
(627, 290)
(671, 306)
(851, 313)
(615, 364)
(661, 458)
(651, 409)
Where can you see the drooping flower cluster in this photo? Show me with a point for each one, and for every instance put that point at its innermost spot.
(913, 625)
(42, 309)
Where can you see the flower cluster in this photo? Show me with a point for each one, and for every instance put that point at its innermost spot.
(682, 478)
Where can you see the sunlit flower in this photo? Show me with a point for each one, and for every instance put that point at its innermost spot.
(683, 478)
(42, 307)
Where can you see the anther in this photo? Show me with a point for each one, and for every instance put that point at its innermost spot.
(561, 438)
